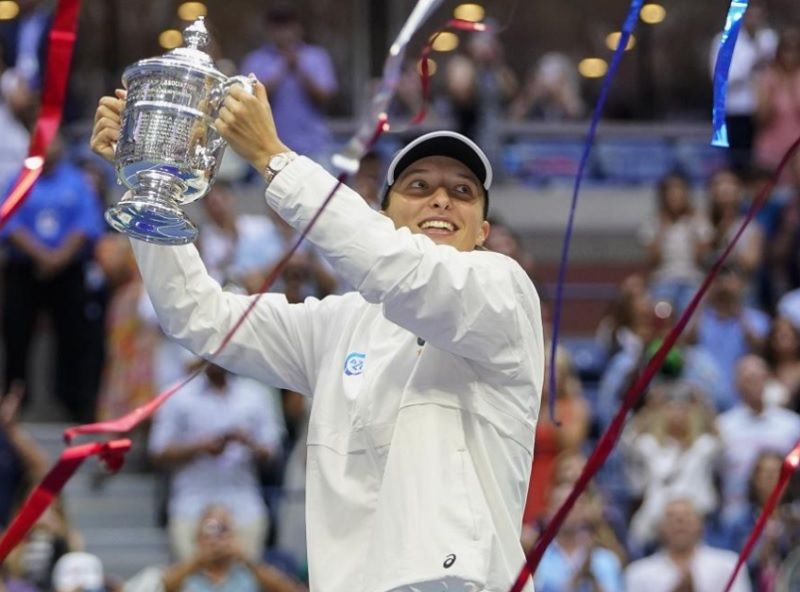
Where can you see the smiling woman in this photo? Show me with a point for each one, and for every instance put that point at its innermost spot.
(439, 186)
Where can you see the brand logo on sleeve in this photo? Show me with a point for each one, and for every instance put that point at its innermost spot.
(449, 561)
(354, 363)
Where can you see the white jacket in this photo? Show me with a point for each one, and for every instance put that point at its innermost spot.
(419, 453)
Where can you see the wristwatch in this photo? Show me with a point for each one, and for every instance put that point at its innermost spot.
(277, 163)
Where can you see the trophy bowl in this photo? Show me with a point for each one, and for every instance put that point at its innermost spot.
(168, 151)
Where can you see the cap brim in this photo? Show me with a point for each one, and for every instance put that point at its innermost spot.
(442, 143)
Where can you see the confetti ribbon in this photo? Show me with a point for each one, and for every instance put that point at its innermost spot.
(721, 70)
(59, 57)
(349, 159)
(609, 438)
(790, 464)
(627, 31)
(425, 75)
(110, 453)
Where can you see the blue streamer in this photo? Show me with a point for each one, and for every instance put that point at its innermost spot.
(627, 31)
(722, 68)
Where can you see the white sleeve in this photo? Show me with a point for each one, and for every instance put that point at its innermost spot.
(275, 344)
(478, 304)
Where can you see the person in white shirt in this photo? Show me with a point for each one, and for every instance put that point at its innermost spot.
(425, 381)
(684, 563)
(212, 439)
(750, 428)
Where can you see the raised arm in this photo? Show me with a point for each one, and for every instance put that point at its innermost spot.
(274, 345)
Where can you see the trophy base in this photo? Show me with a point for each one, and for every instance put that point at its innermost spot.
(152, 222)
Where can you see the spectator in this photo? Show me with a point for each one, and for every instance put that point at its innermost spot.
(782, 354)
(220, 564)
(503, 239)
(236, 248)
(478, 84)
(728, 329)
(78, 572)
(780, 534)
(23, 42)
(630, 322)
(749, 428)
(50, 244)
(672, 451)
(9, 583)
(368, 180)
(677, 241)
(572, 411)
(300, 80)
(212, 439)
(574, 561)
(128, 379)
(14, 148)
(551, 91)
(50, 538)
(683, 563)
(779, 102)
(22, 463)
(755, 48)
(725, 200)
(785, 244)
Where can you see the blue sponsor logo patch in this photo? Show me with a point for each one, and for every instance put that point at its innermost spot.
(354, 364)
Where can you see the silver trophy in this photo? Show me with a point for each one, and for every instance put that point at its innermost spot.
(169, 152)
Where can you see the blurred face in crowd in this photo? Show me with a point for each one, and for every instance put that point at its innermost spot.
(215, 534)
(751, 378)
(675, 197)
(728, 288)
(681, 526)
(286, 33)
(788, 53)
(725, 190)
(784, 339)
(502, 240)
(220, 205)
(755, 17)
(766, 473)
(441, 198)
(578, 518)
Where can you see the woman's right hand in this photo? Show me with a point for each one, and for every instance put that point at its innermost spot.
(107, 123)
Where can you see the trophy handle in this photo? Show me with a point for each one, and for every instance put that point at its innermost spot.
(207, 153)
(248, 82)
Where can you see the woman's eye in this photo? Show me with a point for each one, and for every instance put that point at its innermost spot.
(418, 184)
(463, 189)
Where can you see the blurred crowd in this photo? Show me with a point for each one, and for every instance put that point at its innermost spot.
(698, 457)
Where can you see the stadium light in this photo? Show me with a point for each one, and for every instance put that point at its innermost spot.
(652, 13)
(189, 11)
(170, 39)
(469, 12)
(431, 67)
(612, 40)
(8, 10)
(445, 42)
(593, 67)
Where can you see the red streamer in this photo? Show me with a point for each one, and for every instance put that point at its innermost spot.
(790, 464)
(609, 438)
(110, 453)
(59, 58)
(425, 76)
